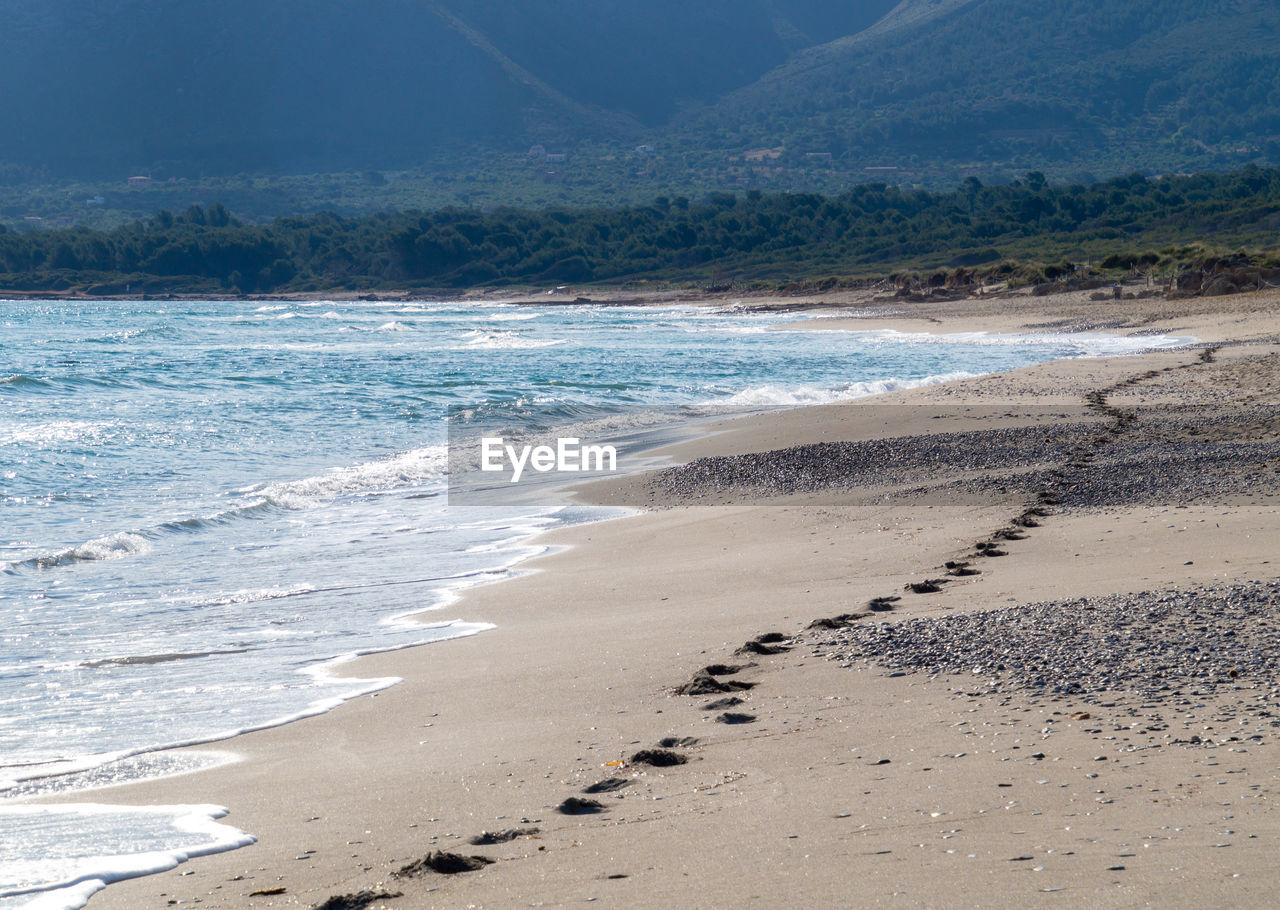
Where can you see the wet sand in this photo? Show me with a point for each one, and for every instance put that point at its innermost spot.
(835, 765)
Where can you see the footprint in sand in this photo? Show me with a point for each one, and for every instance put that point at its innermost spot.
(608, 785)
(731, 702)
(765, 644)
(659, 758)
(442, 863)
(358, 901)
(670, 742)
(838, 622)
(705, 684)
(489, 838)
(576, 806)
(724, 669)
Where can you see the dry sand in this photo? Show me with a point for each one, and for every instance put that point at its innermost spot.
(848, 786)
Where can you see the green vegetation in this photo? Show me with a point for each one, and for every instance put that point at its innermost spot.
(598, 175)
(873, 229)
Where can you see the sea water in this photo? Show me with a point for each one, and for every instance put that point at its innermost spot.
(207, 506)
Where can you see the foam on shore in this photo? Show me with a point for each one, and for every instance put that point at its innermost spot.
(80, 870)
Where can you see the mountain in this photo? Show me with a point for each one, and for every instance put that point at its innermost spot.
(782, 94)
(1063, 85)
(291, 86)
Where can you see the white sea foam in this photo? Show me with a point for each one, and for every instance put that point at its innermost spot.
(257, 596)
(75, 868)
(513, 317)
(784, 396)
(408, 469)
(132, 768)
(114, 546)
(507, 341)
(871, 313)
(729, 329)
(323, 673)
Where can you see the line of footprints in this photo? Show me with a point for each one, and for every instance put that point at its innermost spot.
(716, 679)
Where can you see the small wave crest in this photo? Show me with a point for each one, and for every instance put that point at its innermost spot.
(415, 468)
(507, 340)
(408, 469)
(782, 396)
(130, 335)
(23, 381)
(114, 546)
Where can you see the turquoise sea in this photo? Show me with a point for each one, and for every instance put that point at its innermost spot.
(207, 505)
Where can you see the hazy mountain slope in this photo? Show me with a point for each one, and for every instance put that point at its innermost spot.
(650, 59)
(1069, 81)
(460, 88)
(240, 84)
(101, 86)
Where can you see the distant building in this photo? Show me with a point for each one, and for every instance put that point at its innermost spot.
(556, 156)
(644, 149)
(818, 156)
(96, 200)
(763, 154)
(537, 151)
(140, 181)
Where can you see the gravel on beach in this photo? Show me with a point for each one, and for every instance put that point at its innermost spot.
(1157, 644)
(912, 459)
(1163, 456)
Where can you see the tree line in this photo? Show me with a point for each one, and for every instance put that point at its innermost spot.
(871, 229)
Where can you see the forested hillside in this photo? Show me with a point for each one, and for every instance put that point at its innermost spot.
(1069, 86)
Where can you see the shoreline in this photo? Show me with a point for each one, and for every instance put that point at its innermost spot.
(736, 599)
(751, 298)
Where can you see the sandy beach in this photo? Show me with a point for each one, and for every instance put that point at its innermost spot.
(1041, 672)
